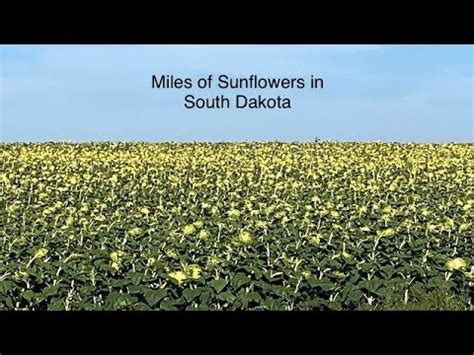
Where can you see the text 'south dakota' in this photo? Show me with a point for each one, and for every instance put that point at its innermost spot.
(238, 101)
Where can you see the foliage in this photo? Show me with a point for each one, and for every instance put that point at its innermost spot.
(261, 226)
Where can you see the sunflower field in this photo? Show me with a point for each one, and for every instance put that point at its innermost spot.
(236, 226)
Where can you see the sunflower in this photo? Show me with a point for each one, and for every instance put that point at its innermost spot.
(178, 276)
(245, 238)
(456, 264)
(189, 229)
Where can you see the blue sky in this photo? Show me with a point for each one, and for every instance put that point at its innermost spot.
(99, 93)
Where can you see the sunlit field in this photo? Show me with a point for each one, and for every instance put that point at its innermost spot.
(227, 226)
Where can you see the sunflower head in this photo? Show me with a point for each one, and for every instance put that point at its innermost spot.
(189, 229)
(245, 238)
(203, 234)
(115, 265)
(456, 264)
(41, 252)
(389, 232)
(193, 271)
(178, 276)
(464, 227)
(135, 231)
(338, 274)
(233, 213)
(150, 262)
(114, 256)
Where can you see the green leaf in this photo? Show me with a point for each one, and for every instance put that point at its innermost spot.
(282, 291)
(313, 281)
(154, 296)
(204, 297)
(6, 303)
(117, 300)
(242, 301)
(203, 307)
(226, 296)
(354, 296)
(375, 284)
(168, 305)
(141, 307)
(239, 280)
(88, 306)
(258, 274)
(50, 291)
(327, 286)
(135, 277)
(370, 285)
(218, 284)
(255, 297)
(86, 290)
(56, 305)
(334, 306)
(5, 286)
(137, 289)
(119, 283)
(312, 304)
(28, 295)
(272, 304)
(191, 294)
